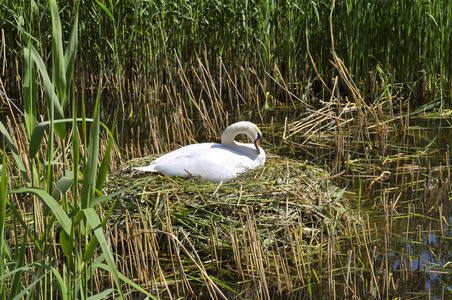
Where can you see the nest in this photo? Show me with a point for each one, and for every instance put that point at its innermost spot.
(283, 193)
(277, 207)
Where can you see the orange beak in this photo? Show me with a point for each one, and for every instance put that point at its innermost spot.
(257, 142)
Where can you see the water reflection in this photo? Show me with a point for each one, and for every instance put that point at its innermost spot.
(414, 236)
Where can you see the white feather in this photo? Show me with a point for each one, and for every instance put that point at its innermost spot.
(216, 162)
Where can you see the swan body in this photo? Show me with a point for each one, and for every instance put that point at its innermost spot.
(215, 162)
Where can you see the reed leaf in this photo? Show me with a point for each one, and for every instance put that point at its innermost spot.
(93, 219)
(90, 168)
(55, 207)
(52, 101)
(75, 152)
(38, 133)
(62, 288)
(124, 279)
(105, 9)
(16, 283)
(103, 170)
(62, 186)
(30, 92)
(28, 288)
(67, 244)
(3, 201)
(90, 249)
(101, 295)
(69, 58)
(17, 158)
(58, 68)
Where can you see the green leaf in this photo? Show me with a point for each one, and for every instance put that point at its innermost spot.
(28, 288)
(62, 186)
(221, 283)
(16, 278)
(69, 56)
(110, 196)
(58, 66)
(101, 295)
(60, 214)
(38, 133)
(93, 219)
(16, 154)
(103, 170)
(105, 10)
(75, 151)
(61, 284)
(89, 251)
(50, 95)
(125, 279)
(90, 168)
(30, 92)
(66, 244)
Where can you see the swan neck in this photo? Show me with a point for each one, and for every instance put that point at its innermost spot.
(228, 138)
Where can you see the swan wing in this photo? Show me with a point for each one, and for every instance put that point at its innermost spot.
(168, 159)
(208, 161)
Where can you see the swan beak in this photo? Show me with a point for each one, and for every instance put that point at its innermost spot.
(257, 142)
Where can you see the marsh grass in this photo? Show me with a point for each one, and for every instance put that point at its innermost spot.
(285, 230)
(54, 240)
(166, 63)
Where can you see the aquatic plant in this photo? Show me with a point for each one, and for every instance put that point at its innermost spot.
(60, 245)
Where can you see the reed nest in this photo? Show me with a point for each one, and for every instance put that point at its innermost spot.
(265, 225)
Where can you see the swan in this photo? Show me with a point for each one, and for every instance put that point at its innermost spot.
(211, 161)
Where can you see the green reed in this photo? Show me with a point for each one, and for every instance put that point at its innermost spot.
(137, 40)
(201, 64)
(54, 214)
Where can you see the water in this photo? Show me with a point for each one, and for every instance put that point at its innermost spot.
(412, 214)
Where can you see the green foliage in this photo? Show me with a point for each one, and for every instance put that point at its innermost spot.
(80, 231)
(141, 38)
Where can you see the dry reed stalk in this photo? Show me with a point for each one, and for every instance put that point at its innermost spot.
(256, 253)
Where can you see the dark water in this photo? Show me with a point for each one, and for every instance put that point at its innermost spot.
(413, 241)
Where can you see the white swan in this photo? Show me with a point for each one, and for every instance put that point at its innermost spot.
(215, 162)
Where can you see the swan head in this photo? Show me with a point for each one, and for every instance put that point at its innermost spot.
(248, 128)
(257, 141)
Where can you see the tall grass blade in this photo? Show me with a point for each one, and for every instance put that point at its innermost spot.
(75, 152)
(93, 219)
(103, 170)
(61, 284)
(105, 9)
(69, 58)
(30, 92)
(29, 288)
(3, 201)
(62, 186)
(20, 164)
(90, 168)
(125, 280)
(101, 295)
(58, 68)
(38, 133)
(60, 214)
(16, 285)
(52, 101)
